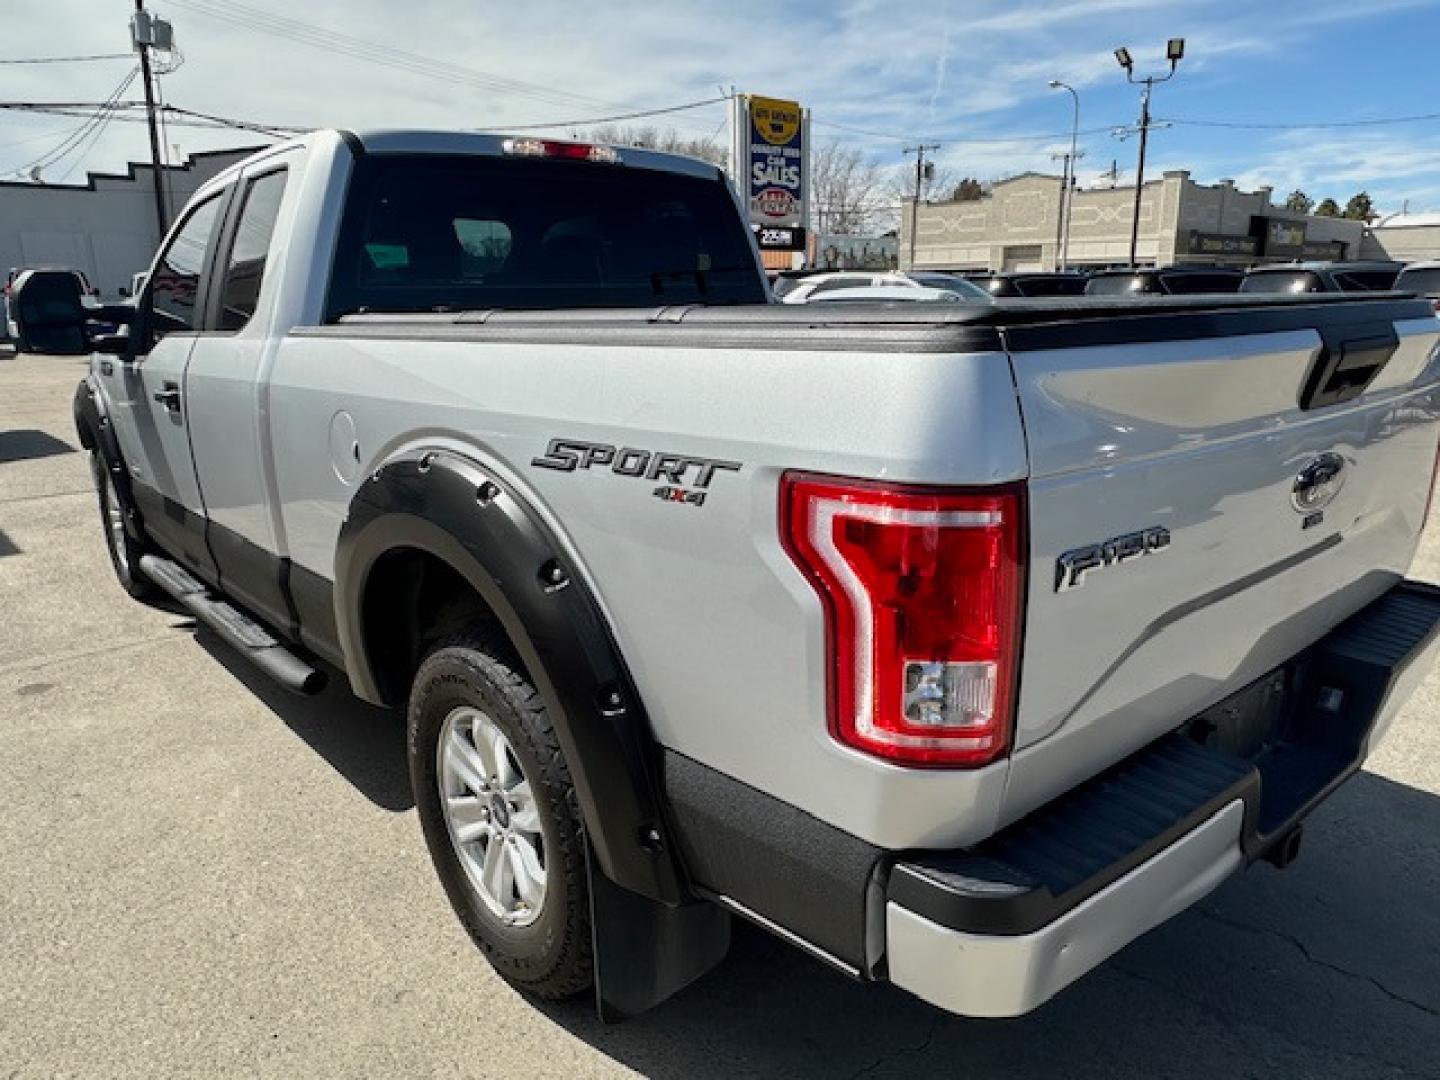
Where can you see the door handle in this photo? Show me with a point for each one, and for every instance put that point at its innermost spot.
(169, 396)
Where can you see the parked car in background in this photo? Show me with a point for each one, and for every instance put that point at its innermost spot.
(817, 285)
(1029, 283)
(1164, 281)
(1422, 279)
(909, 293)
(1322, 277)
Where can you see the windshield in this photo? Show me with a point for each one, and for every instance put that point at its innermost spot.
(1114, 285)
(1287, 281)
(1420, 281)
(951, 283)
(430, 233)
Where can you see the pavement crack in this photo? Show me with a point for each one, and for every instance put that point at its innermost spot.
(1310, 957)
(918, 1048)
(47, 495)
(83, 654)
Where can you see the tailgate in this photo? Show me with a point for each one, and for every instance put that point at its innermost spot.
(1209, 495)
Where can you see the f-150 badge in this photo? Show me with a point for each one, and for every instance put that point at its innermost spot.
(686, 476)
(1071, 567)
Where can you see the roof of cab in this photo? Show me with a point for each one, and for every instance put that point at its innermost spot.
(473, 143)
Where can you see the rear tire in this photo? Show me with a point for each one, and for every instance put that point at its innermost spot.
(499, 813)
(124, 550)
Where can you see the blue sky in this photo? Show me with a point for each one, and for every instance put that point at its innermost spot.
(952, 73)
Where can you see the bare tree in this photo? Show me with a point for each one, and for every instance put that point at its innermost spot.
(668, 140)
(851, 193)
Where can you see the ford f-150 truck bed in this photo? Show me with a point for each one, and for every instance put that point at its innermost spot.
(958, 644)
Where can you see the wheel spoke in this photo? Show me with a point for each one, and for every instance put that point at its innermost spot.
(482, 738)
(525, 817)
(505, 772)
(529, 875)
(465, 762)
(496, 874)
(469, 817)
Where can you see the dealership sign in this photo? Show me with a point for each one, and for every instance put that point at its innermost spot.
(774, 159)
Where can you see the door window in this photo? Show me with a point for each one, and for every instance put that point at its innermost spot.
(250, 249)
(175, 284)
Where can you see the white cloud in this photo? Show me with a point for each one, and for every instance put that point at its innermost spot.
(945, 70)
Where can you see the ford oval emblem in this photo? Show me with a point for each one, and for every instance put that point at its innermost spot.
(1317, 484)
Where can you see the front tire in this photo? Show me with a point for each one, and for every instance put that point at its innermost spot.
(124, 551)
(499, 814)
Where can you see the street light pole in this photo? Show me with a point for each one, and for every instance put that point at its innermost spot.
(1174, 52)
(1067, 197)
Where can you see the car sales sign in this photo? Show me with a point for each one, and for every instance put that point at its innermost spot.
(774, 134)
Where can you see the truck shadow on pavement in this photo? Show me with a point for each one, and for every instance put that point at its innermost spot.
(364, 744)
(1329, 968)
(27, 444)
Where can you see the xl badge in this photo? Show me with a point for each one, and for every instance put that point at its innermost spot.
(1071, 567)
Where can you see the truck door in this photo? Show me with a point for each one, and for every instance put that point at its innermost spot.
(226, 393)
(147, 388)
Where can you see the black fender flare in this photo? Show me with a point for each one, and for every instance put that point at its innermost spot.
(465, 514)
(97, 434)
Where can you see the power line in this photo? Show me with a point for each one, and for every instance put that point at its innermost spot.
(1376, 122)
(965, 140)
(258, 20)
(79, 135)
(592, 120)
(67, 59)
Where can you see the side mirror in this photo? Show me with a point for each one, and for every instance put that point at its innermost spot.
(124, 293)
(48, 314)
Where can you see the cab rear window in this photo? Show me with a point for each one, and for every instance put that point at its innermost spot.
(433, 233)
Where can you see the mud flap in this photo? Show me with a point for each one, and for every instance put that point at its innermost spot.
(646, 951)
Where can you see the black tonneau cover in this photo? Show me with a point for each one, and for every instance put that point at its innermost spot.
(1014, 324)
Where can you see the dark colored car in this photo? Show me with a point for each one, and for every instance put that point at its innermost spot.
(1164, 281)
(1323, 277)
(1030, 283)
(1422, 279)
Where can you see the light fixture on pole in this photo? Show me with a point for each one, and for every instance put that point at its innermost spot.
(1174, 52)
(1067, 194)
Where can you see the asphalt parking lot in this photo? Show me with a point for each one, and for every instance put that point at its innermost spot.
(203, 876)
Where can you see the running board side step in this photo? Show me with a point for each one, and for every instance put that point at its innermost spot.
(239, 630)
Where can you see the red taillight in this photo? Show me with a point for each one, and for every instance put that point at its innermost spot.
(922, 593)
(552, 148)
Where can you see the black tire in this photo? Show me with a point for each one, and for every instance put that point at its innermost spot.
(550, 957)
(124, 550)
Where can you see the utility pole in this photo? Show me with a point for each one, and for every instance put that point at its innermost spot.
(142, 36)
(920, 175)
(1140, 167)
(1174, 51)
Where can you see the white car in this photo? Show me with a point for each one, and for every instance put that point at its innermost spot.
(815, 286)
(876, 293)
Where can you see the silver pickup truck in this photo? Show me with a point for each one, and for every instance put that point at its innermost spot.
(956, 644)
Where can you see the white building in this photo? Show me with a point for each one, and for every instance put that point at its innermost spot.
(1017, 226)
(1407, 237)
(106, 226)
